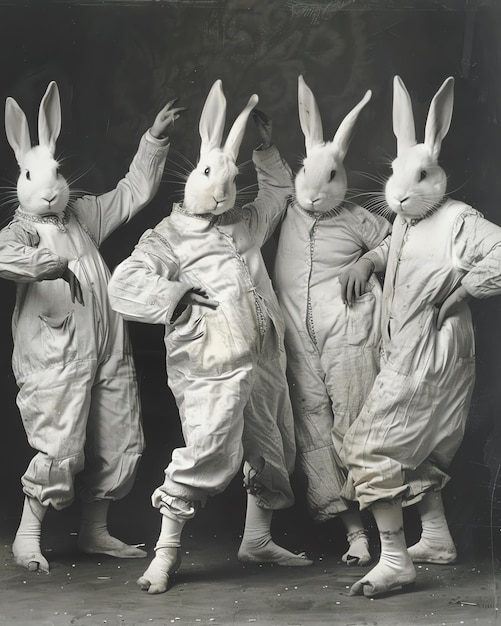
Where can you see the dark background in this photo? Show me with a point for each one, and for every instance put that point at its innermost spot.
(117, 63)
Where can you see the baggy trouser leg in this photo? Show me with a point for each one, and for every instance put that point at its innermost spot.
(54, 406)
(269, 459)
(115, 438)
(313, 422)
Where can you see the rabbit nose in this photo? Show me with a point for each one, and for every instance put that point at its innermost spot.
(402, 200)
(49, 200)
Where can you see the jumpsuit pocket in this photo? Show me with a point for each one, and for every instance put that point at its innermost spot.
(57, 336)
(191, 329)
(361, 328)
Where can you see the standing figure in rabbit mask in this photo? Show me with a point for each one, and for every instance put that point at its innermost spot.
(441, 253)
(200, 272)
(332, 352)
(72, 361)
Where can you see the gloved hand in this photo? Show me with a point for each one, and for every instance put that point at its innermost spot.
(197, 295)
(75, 287)
(452, 304)
(165, 119)
(354, 280)
(264, 127)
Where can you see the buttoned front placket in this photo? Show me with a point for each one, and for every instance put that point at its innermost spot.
(261, 314)
(309, 308)
(394, 278)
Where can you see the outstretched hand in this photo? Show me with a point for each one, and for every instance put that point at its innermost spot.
(197, 295)
(452, 304)
(75, 287)
(165, 119)
(264, 128)
(354, 280)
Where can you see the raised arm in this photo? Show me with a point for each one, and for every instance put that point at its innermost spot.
(105, 213)
(275, 184)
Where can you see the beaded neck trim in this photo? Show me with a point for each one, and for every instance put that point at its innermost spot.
(57, 220)
(430, 212)
(207, 217)
(324, 215)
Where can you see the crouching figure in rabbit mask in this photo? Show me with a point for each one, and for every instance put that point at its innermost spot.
(72, 361)
(201, 273)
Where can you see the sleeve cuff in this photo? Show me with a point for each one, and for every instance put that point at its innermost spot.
(160, 143)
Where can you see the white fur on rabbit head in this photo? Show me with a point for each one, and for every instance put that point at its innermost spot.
(41, 189)
(211, 187)
(418, 184)
(321, 183)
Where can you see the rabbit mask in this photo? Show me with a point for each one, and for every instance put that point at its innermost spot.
(417, 184)
(210, 187)
(41, 189)
(321, 183)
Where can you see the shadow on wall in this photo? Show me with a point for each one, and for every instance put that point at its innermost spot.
(117, 65)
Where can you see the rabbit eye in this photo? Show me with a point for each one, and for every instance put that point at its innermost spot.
(207, 171)
(332, 175)
(28, 176)
(422, 175)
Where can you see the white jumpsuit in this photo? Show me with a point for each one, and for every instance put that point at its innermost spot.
(332, 350)
(414, 418)
(78, 394)
(226, 367)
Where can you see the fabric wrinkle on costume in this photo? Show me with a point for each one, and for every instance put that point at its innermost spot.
(332, 349)
(226, 367)
(413, 421)
(78, 395)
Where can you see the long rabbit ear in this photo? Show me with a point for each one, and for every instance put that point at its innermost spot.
(236, 134)
(49, 118)
(309, 115)
(212, 119)
(344, 133)
(439, 117)
(403, 117)
(17, 129)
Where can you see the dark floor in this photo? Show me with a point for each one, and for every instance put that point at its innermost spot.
(212, 587)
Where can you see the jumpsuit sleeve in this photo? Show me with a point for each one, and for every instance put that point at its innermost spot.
(105, 213)
(143, 288)
(477, 250)
(22, 261)
(372, 229)
(379, 254)
(275, 184)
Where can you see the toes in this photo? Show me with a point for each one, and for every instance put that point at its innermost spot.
(34, 563)
(158, 588)
(357, 589)
(153, 587)
(144, 583)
